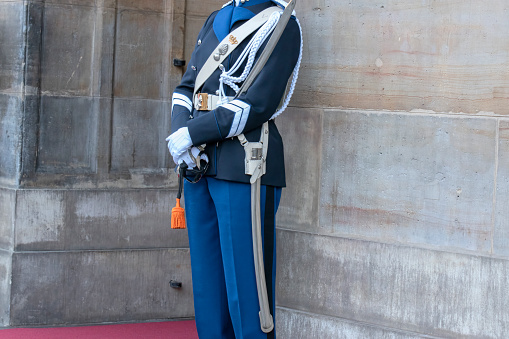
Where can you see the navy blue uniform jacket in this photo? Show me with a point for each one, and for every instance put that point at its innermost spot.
(218, 128)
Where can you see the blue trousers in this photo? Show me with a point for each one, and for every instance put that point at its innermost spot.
(218, 215)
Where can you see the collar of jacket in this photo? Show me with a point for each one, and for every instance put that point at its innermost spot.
(229, 15)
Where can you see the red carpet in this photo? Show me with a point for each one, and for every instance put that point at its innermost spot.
(156, 330)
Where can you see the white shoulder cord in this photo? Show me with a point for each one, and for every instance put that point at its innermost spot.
(252, 48)
(294, 78)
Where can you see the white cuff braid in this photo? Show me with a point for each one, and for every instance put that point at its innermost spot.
(179, 142)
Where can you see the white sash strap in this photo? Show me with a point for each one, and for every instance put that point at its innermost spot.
(229, 43)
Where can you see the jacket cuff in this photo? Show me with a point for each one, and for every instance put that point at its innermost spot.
(202, 129)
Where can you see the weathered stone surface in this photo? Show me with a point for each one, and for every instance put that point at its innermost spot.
(49, 220)
(139, 130)
(203, 8)
(82, 3)
(81, 129)
(10, 137)
(104, 51)
(301, 130)
(34, 24)
(99, 286)
(300, 325)
(67, 134)
(418, 179)
(76, 54)
(7, 203)
(12, 18)
(66, 57)
(418, 290)
(405, 55)
(87, 255)
(407, 178)
(150, 5)
(139, 55)
(501, 234)
(5, 286)
(30, 136)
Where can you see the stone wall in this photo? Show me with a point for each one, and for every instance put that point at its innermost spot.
(394, 221)
(86, 184)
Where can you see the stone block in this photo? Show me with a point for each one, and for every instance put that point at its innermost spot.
(408, 178)
(501, 235)
(67, 49)
(424, 291)
(176, 46)
(301, 130)
(51, 220)
(33, 53)
(5, 286)
(139, 54)
(83, 3)
(30, 136)
(104, 52)
(139, 130)
(12, 21)
(40, 219)
(203, 8)
(100, 286)
(7, 204)
(301, 325)
(10, 136)
(67, 134)
(78, 59)
(145, 6)
(404, 55)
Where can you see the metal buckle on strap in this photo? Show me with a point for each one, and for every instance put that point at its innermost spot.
(201, 102)
(209, 102)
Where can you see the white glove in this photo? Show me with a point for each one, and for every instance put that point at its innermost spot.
(179, 142)
(190, 160)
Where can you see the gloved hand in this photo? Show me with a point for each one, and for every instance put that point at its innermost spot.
(179, 142)
(190, 160)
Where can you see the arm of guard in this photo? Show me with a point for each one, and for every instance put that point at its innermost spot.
(259, 103)
(181, 107)
(182, 102)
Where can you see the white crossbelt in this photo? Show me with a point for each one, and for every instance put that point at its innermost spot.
(207, 102)
(229, 43)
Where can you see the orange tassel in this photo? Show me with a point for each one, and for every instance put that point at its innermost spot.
(178, 218)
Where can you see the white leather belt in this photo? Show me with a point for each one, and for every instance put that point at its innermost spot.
(207, 102)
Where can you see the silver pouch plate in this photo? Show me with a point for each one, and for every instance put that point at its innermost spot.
(254, 159)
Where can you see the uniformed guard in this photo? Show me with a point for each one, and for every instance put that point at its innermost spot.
(241, 75)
